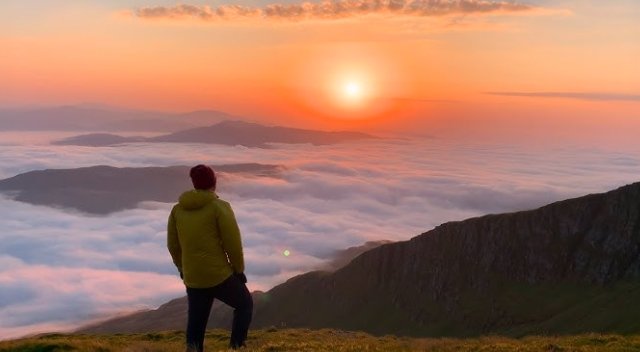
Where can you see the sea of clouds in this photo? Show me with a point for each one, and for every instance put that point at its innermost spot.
(60, 268)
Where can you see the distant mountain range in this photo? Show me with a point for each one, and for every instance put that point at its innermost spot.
(103, 118)
(226, 132)
(568, 267)
(106, 189)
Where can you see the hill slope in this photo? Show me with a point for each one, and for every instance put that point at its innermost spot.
(568, 267)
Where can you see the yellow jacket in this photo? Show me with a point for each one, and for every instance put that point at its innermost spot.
(204, 239)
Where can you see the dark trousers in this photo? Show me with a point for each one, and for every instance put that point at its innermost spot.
(232, 292)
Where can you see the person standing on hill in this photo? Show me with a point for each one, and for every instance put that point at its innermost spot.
(204, 241)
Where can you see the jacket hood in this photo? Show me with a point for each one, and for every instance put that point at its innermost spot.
(196, 199)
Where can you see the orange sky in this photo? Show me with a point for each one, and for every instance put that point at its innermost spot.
(410, 67)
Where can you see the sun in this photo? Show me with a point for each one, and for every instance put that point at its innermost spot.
(352, 90)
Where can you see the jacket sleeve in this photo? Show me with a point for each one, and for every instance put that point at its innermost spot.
(230, 235)
(173, 242)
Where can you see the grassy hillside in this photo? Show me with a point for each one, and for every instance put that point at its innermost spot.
(319, 340)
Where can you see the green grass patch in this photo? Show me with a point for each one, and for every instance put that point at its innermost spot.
(323, 340)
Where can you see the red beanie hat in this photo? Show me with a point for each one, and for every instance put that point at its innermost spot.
(203, 177)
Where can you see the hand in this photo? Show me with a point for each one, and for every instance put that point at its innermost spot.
(242, 277)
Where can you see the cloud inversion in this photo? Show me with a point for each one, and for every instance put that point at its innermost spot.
(331, 9)
(55, 264)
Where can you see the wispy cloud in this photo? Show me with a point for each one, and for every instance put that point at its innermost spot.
(573, 95)
(331, 9)
(426, 100)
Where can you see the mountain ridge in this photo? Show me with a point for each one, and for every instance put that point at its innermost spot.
(538, 271)
(92, 117)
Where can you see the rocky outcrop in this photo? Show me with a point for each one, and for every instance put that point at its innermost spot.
(341, 258)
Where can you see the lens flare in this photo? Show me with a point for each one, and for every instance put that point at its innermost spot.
(286, 253)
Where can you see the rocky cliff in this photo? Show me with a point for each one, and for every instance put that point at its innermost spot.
(571, 266)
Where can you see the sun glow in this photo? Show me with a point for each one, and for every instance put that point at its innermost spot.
(349, 83)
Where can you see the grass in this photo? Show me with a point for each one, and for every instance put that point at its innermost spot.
(272, 340)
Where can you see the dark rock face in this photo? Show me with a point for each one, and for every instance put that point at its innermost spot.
(105, 189)
(591, 240)
(571, 266)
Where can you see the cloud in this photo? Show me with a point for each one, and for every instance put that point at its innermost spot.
(331, 9)
(57, 266)
(39, 298)
(573, 95)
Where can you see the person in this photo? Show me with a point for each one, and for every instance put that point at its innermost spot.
(204, 241)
